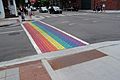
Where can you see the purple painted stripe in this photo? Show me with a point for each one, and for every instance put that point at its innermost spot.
(65, 36)
(73, 44)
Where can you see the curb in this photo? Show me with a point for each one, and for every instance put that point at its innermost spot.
(107, 11)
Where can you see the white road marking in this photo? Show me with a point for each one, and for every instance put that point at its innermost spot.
(86, 19)
(54, 15)
(65, 33)
(11, 32)
(94, 21)
(32, 41)
(69, 14)
(41, 17)
(61, 15)
(65, 21)
(4, 28)
(47, 16)
(76, 14)
(102, 17)
(71, 24)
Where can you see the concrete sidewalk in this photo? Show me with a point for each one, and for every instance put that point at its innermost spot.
(89, 62)
(99, 61)
(8, 21)
(106, 11)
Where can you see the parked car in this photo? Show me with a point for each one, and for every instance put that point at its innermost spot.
(33, 9)
(55, 10)
(43, 10)
(72, 9)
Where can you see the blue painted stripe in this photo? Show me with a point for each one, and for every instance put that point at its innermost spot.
(64, 37)
(63, 43)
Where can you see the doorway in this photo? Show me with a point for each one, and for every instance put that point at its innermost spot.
(6, 8)
(85, 4)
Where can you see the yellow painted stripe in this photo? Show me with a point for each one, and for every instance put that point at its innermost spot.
(50, 39)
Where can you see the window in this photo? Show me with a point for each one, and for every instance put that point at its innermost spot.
(11, 2)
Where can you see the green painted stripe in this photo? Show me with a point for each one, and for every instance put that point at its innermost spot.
(63, 43)
(49, 38)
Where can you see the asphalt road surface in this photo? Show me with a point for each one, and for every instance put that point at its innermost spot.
(14, 43)
(90, 27)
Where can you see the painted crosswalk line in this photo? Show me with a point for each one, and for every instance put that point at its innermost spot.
(50, 39)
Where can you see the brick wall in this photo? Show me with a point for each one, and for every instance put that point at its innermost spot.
(113, 4)
(110, 4)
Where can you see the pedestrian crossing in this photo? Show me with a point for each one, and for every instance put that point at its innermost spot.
(49, 38)
(42, 16)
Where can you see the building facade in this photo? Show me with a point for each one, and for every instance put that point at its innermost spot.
(110, 4)
(8, 8)
(90, 4)
(2, 13)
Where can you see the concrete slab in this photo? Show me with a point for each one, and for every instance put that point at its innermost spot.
(112, 51)
(13, 71)
(15, 77)
(2, 74)
(7, 22)
(105, 68)
(26, 71)
(2, 79)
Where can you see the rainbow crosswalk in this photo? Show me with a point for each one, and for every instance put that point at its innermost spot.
(50, 39)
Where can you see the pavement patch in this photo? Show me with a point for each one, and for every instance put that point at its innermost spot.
(10, 74)
(25, 71)
(66, 61)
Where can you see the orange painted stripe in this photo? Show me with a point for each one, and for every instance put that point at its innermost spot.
(36, 39)
(49, 38)
(46, 43)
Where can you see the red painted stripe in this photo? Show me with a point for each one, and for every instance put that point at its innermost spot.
(49, 46)
(41, 41)
(37, 41)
